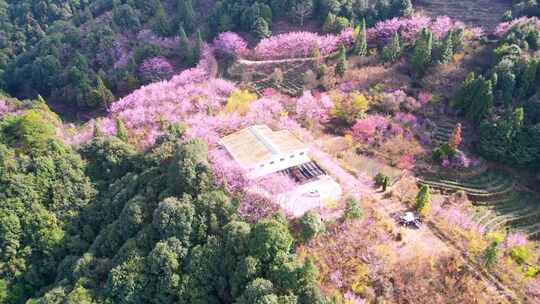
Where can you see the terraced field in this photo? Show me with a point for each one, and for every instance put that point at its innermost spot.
(292, 84)
(444, 129)
(484, 13)
(257, 76)
(499, 203)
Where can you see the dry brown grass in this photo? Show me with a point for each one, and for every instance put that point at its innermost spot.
(364, 77)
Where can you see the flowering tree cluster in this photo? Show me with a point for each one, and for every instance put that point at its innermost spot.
(300, 44)
(231, 44)
(425, 97)
(4, 108)
(227, 172)
(276, 183)
(504, 27)
(408, 28)
(365, 130)
(255, 206)
(456, 217)
(155, 69)
(458, 160)
(313, 109)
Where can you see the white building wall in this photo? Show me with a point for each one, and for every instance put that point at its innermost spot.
(279, 162)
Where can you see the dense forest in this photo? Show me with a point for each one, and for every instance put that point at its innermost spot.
(84, 53)
(109, 224)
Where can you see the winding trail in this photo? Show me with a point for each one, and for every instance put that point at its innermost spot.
(275, 61)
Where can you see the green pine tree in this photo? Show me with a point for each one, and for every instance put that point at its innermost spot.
(185, 47)
(507, 83)
(197, 48)
(457, 39)
(101, 95)
(97, 130)
(360, 43)
(341, 65)
(517, 119)
(392, 51)
(491, 254)
(423, 47)
(186, 14)
(447, 50)
(261, 28)
(121, 131)
(528, 80)
(161, 25)
(422, 200)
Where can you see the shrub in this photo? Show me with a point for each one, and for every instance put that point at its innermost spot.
(531, 271)
(443, 152)
(311, 224)
(392, 51)
(239, 101)
(520, 254)
(422, 200)
(353, 209)
(33, 130)
(380, 179)
(491, 254)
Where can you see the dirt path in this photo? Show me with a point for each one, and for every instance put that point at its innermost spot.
(429, 240)
(275, 61)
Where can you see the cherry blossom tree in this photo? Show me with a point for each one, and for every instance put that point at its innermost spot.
(255, 206)
(364, 130)
(311, 110)
(155, 69)
(231, 44)
(300, 44)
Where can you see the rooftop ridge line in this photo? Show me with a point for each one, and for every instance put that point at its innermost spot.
(264, 140)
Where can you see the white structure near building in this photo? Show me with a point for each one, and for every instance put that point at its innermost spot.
(261, 151)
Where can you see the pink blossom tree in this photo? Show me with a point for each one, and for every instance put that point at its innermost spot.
(255, 206)
(312, 110)
(155, 69)
(231, 44)
(276, 183)
(299, 45)
(364, 130)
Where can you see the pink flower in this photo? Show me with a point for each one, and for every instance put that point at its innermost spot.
(255, 206)
(425, 97)
(504, 27)
(231, 44)
(406, 162)
(515, 239)
(155, 69)
(276, 183)
(4, 108)
(310, 109)
(299, 45)
(365, 129)
(446, 163)
(227, 171)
